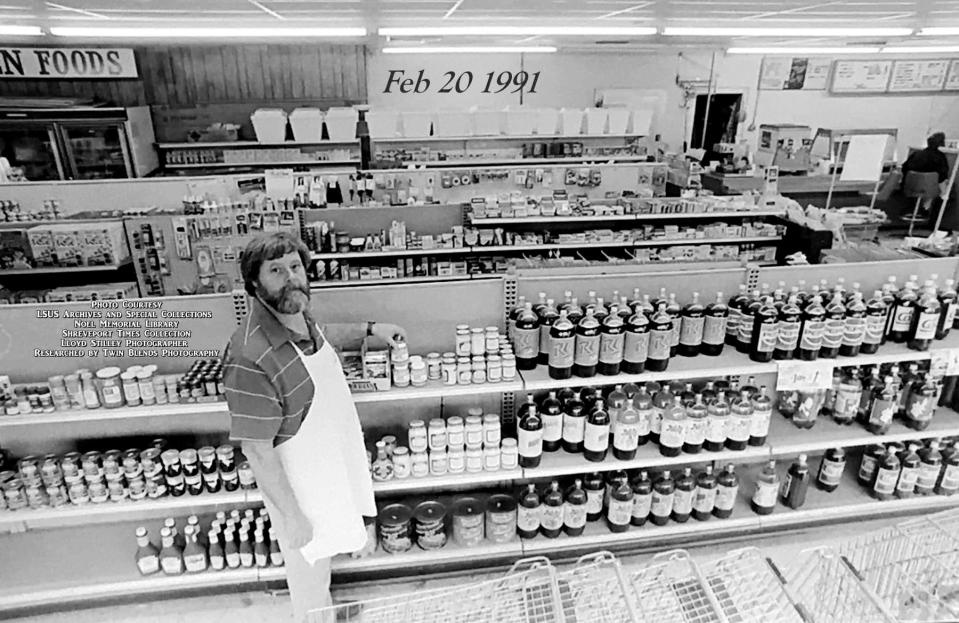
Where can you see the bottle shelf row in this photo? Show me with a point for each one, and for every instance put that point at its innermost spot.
(498, 137)
(784, 439)
(599, 218)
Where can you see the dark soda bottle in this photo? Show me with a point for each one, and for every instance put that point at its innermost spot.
(830, 469)
(764, 333)
(673, 431)
(612, 342)
(574, 425)
(948, 304)
(727, 490)
(642, 498)
(887, 476)
(734, 305)
(586, 357)
(796, 483)
(876, 314)
(909, 464)
(949, 481)
(905, 309)
(663, 491)
(835, 322)
(620, 512)
(747, 315)
(636, 344)
(869, 465)
(683, 496)
(551, 410)
(854, 328)
(705, 499)
(529, 432)
(693, 323)
(762, 414)
(715, 323)
(596, 438)
(526, 338)
(787, 331)
(813, 327)
(926, 318)
(595, 489)
(574, 511)
(929, 468)
(561, 348)
(575, 312)
(528, 513)
(767, 489)
(551, 523)
(674, 310)
(546, 316)
(885, 402)
(661, 329)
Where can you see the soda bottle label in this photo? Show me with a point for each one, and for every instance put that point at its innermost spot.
(886, 481)
(552, 518)
(544, 341)
(732, 323)
(920, 408)
(594, 501)
(527, 519)
(691, 333)
(642, 425)
(831, 472)
(626, 437)
(574, 515)
(881, 414)
(832, 332)
(673, 433)
(950, 315)
(726, 497)
(526, 343)
(674, 334)
(587, 350)
(696, 431)
(787, 336)
(705, 499)
(620, 512)
(759, 423)
(875, 327)
(847, 401)
(716, 429)
(854, 331)
(659, 343)
(552, 427)
(662, 504)
(928, 475)
(765, 495)
(642, 504)
(561, 352)
(738, 428)
(596, 438)
(768, 335)
(867, 468)
(745, 328)
(656, 420)
(950, 478)
(902, 320)
(611, 346)
(530, 442)
(636, 347)
(926, 329)
(908, 478)
(682, 502)
(714, 329)
(574, 429)
(784, 489)
(812, 334)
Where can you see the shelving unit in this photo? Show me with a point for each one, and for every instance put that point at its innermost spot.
(538, 220)
(484, 162)
(499, 137)
(57, 270)
(216, 151)
(266, 163)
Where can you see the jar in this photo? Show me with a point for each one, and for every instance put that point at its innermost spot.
(455, 432)
(159, 389)
(145, 383)
(494, 369)
(172, 391)
(131, 389)
(456, 459)
(439, 462)
(23, 400)
(468, 522)
(509, 454)
(437, 434)
(462, 340)
(509, 367)
(500, 518)
(474, 460)
(418, 373)
(402, 462)
(33, 394)
(434, 370)
(448, 369)
(491, 430)
(421, 464)
(492, 340)
(429, 519)
(491, 459)
(58, 390)
(109, 380)
(401, 373)
(91, 397)
(479, 371)
(74, 390)
(395, 528)
(474, 431)
(418, 438)
(477, 342)
(400, 350)
(464, 371)
(389, 444)
(46, 400)
(14, 496)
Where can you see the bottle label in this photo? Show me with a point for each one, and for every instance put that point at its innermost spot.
(854, 331)
(908, 478)
(739, 428)
(246, 559)
(673, 433)
(682, 502)
(195, 563)
(611, 346)
(544, 339)
(587, 350)
(875, 328)
(920, 408)
(759, 423)
(662, 504)
(886, 481)
(692, 330)
(726, 497)
(950, 478)
(768, 336)
(626, 437)
(950, 315)
(812, 334)
(830, 472)
(643, 424)
(714, 330)
(902, 320)
(656, 420)
(217, 562)
(530, 442)
(596, 438)
(552, 518)
(881, 414)
(642, 504)
(526, 343)
(695, 431)
(594, 501)
(832, 332)
(928, 475)
(276, 559)
(636, 347)
(659, 343)
(765, 495)
(561, 352)
(527, 519)
(574, 429)
(787, 337)
(847, 401)
(574, 515)
(552, 427)
(732, 322)
(926, 329)
(705, 499)
(172, 566)
(745, 329)
(716, 429)
(867, 468)
(787, 483)
(620, 512)
(674, 334)
(148, 564)
(233, 560)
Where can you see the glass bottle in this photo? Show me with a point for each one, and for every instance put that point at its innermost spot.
(171, 556)
(215, 549)
(835, 321)
(903, 314)
(926, 318)
(813, 328)
(642, 498)
(596, 438)
(662, 505)
(887, 476)
(876, 315)
(595, 490)
(551, 520)
(692, 326)
(574, 510)
(660, 334)
(620, 512)
(626, 432)
(727, 490)
(735, 305)
(764, 334)
(796, 483)
(908, 472)
(147, 556)
(636, 343)
(612, 343)
(747, 315)
(587, 346)
(561, 348)
(762, 415)
(194, 556)
(715, 323)
(830, 469)
(529, 433)
(526, 335)
(245, 550)
(529, 512)
(674, 310)
(717, 423)
(948, 304)
(382, 468)
(705, 499)
(767, 488)
(683, 496)
(787, 330)
(547, 316)
(740, 422)
(673, 432)
(696, 422)
(949, 482)
(551, 410)
(854, 327)
(929, 469)
(574, 425)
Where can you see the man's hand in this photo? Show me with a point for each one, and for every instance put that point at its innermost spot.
(387, 332)
(299, 531)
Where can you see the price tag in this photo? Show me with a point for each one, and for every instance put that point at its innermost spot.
(804, 375)
(944, 362)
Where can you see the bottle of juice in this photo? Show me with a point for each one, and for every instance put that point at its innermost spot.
(727, 488)
(767, 488)
(642, 498)
(663, 492)
(705, 499)
(574, 511)
(876, 316)
(796, 483)
(626, 433)
(683, 496)
(529, 512)
(830, 469)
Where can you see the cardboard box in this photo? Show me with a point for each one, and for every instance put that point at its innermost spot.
(368, 370)
(15, 251)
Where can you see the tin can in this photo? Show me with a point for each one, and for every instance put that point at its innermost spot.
(467, 522)
(245, 472)
(429, 519)
(500, 518)
(394, 523)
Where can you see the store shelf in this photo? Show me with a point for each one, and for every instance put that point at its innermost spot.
(353, 283)
(532, 220)
(251, 144)
(497, 137)
(435, 389)
(387, 254)
(292, 163)
(105, 415)
(484, 162)
(448, 481)
(58, 270)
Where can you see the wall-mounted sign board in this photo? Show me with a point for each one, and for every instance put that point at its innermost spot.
(861, 76)
(952, 77)
(67, 63)
(793, 74)
(908, 76)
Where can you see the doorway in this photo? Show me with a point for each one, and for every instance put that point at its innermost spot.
(723, 119)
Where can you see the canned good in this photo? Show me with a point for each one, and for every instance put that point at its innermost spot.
(467, 522)
(394, 523)
(430, 525)
(500, 518)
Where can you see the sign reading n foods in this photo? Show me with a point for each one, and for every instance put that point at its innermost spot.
(67, 63)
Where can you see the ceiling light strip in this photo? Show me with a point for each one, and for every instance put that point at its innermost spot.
(673, 31)
(480, 31)
(206, 33)
(921, 49)
(20, 31)
(515, 49)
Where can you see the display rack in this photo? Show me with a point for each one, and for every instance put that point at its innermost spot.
(176, 156)
(600, 218)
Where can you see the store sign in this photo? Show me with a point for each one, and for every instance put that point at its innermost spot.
(67, 63)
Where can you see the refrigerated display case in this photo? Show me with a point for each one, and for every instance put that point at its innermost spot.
(78, 143)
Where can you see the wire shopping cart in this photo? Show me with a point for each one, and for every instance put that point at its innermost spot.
(671, 589)
(749, 588)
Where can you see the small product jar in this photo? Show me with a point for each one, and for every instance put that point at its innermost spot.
(437, 434)
(456, 458)
(509, 454)
(145, 381)
(74, 390)
(159, 389)
(402, 462)
(462, 340)
(439, 462)
(401, 373)
(46, 400)
(131, 389)
(400, 350)
(479, 371)
(421, 464)
(434, 366)
(491, 430)
(477, 342)
(464, 371)
(455, 432)
(509, 367)
(58, 390)
(474, 431)
(474, 460)
(448, 369)
(491, 459)
(492, 340)
(418, 372)
(110, 390)
(494, 369)
(418, 438)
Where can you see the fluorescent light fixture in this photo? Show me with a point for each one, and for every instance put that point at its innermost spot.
(809, 51)
(491, 49)
(786, 32)
(479, 31)
(213, 32)
(947, 31)
(21, 31)
(921, 49)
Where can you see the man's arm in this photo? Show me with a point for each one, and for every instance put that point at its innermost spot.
(274, 484)
(349, 335)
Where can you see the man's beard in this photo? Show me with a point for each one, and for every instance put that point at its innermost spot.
(291, 299)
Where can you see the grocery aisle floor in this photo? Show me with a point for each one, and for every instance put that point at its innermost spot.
(260, 606)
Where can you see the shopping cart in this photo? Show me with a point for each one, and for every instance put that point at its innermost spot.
(671, 589)
(749, 588)
(594, 590)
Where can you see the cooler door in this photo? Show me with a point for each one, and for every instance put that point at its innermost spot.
(96, 151)
(34, 149)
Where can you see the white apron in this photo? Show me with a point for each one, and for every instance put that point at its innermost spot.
(326, 462)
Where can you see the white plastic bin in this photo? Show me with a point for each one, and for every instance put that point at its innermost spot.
(416, 124)
(641, 122)
(341, 124)
(547, 121)
(307, 124)
(383, 123)
(488, 122)
(570, 121)
(596, 120)
(520, 121)
(618, 120)
(453, 123)
(269, 124)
